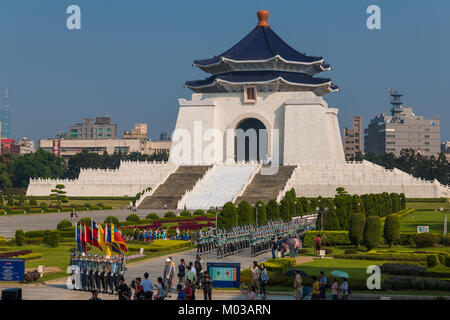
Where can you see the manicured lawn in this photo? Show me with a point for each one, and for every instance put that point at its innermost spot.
(428, 205)
(433, 219)
(355, 268)
(115, 204)
(60, 256)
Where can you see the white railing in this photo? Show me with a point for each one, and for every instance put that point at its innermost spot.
(181, 202)
(288, 186)
(249, 180)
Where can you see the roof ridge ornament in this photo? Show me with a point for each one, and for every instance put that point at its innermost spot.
(263, 16)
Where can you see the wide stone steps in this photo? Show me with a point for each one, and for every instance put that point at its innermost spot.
(173, 189)
(266, 187)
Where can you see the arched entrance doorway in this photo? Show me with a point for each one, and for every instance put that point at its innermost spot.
(251, 142)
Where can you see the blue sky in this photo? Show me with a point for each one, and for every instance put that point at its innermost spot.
(131, 58)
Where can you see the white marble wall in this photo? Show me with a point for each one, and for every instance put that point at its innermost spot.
(129, 179)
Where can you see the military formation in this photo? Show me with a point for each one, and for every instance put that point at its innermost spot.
(95, 272)
(257, 240)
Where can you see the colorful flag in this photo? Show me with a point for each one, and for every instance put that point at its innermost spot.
(95, 235)
(109, 239)
(78, 238)
(87, 234)
(101, 236)
(117, 238)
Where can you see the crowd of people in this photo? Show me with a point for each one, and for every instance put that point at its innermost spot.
(150, 234)
(186, 280)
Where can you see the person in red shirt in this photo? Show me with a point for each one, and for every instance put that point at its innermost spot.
(318, 244)
(138, 290)
(188, 290)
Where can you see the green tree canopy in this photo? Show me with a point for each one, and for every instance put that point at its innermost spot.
(391, 229)
(372, 232)
(356, 229)
(273, 210)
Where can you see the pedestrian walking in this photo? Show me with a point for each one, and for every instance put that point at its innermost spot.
(323, 285)
(198, 269)
(181, 294)
(318, 244)
(255, 274)
(334, 289)
(188, 290)
(168, 275)
(263, 280)
(207, 286)
(181, 271)
(298, 285)
(161, 289)
(315, 288)
(191, 274)
(147, 285)
(344, 290)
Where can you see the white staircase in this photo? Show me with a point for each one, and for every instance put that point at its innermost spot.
(218, 186)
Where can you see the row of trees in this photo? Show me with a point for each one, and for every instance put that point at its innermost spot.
(368, 231)
(412, 162)
(336, 211)
(16, 171)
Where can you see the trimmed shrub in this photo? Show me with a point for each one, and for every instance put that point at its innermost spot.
(423, 240)
(447, 261)
(285, 213)
(333, 238)
(245, 214)
(51, 238)
(391, 229)
(133, 218)
(20, 237)
(112, 219)
(199, 212)
(273, 210)
(228, 217)
(261, 212)
(432, 260)
(152, 216)
(407, 238)
(405, 283)
(438, 271)
(445, 239)
(185, 213)
(63, 224)
(350, 251)
(384, 257)
(356, 230)
(403, 269)
(442, 257)
(88, 205)
(170, 214)
(372, 232)
(86, 220)
(303, 251)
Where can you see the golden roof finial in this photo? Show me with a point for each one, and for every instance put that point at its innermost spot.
(263, 16)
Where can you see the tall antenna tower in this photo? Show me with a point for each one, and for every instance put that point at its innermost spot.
(396, 102)
(5, 117)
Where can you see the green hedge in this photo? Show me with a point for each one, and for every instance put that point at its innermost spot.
(439, 271)
(426, 200)
(333, 238)
(384, 257)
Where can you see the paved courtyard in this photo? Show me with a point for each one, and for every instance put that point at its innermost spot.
(10, 223)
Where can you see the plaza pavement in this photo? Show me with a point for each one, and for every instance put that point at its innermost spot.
(57, 290)
(46, 221)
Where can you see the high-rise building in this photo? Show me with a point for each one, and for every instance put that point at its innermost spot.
(139, 132)
(164, 137)
(5, 117)
(445, 149)
(353, 138)
(402, 130)
(98, 128)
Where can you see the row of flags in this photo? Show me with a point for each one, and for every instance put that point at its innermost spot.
(108, 238)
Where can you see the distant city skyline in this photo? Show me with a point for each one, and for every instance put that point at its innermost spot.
(131, 58)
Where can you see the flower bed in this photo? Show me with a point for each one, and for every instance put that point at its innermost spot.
(15, 253)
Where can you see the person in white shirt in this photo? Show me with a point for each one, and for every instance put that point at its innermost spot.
(343, 289)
